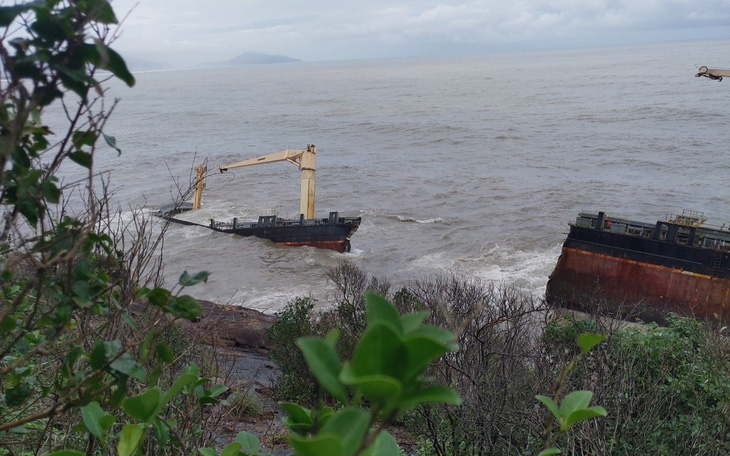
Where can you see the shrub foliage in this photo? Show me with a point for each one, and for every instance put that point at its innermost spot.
(83, 366)
(666, 389)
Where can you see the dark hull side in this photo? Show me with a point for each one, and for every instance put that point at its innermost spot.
(642, 277)
(327, 236)
(332, 233)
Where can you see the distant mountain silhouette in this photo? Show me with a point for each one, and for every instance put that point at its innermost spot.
(254, 58)
(135, 64)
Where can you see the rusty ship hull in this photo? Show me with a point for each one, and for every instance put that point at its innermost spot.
(646, 271)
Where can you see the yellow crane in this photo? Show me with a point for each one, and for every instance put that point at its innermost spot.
(304, 159)
(712, 73)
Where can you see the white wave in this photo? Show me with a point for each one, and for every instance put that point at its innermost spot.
(437, 261)
(403, 218)
(527, 270)
(268, 301)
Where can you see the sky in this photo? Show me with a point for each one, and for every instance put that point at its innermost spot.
(189, 32)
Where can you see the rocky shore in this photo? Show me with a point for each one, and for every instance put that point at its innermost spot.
(238, 336)
(234, 327)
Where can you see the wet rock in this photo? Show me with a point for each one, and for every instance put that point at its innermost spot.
(233, 326)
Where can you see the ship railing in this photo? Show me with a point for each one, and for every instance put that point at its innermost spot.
(687, 218)
(264, 221)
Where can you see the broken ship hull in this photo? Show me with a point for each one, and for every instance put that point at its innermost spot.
(331, 233)
(645, 271)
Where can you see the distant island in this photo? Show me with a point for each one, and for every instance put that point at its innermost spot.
(253, 58)
(248, 58)
(137, 64)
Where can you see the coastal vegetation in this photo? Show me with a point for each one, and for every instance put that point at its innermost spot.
(666, 389)
(94, 360)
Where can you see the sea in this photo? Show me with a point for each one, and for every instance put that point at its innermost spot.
(471, 165)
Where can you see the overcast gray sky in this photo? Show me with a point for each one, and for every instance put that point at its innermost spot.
(188, 32)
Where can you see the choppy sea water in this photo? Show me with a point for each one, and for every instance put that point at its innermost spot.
(470, 165)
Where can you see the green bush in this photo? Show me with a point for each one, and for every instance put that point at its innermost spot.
(296, 320)
(667, 389)
(82, 365)
(386, 371)
(497, 371)
(299, 318)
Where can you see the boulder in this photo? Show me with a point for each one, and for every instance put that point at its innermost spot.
(233, 326)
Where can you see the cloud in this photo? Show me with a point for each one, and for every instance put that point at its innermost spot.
(193, 31)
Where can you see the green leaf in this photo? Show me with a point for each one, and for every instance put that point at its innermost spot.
(9, 13)
(435, 393)
(107, 421)
(349, 425)
(76, 80)
(187, 280)
(185, 307)
(181, 382)
(550, 404)
(162, 431)
(231, 449)
(67, 453)
(100, 11)
(324, 364)
(380, 351)
(319, 445)
(129, 366)
(207, 452)
(421, 352)
(119, 68)
(50, 191)
(574, 401)
(83, 138)
(154, 375)
(298, 418)
(82, 158)
(413, 321)
(129, 439)
(112, 142)
(250, 444)
(144, 407)
(157, 297)
(587, 341)
(48, 27)
(82, 290)
(8, 324)
(384, 445)
(380, 309)
(96, 420)
(17, 395)
(584, 414)
(97, 357)
(120, 393)
(375, 387)
(164, 353)
(441, 335)
(217, 390)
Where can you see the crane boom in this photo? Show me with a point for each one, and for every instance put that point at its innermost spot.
(712, 73)
(290, 155)
(304, 159)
